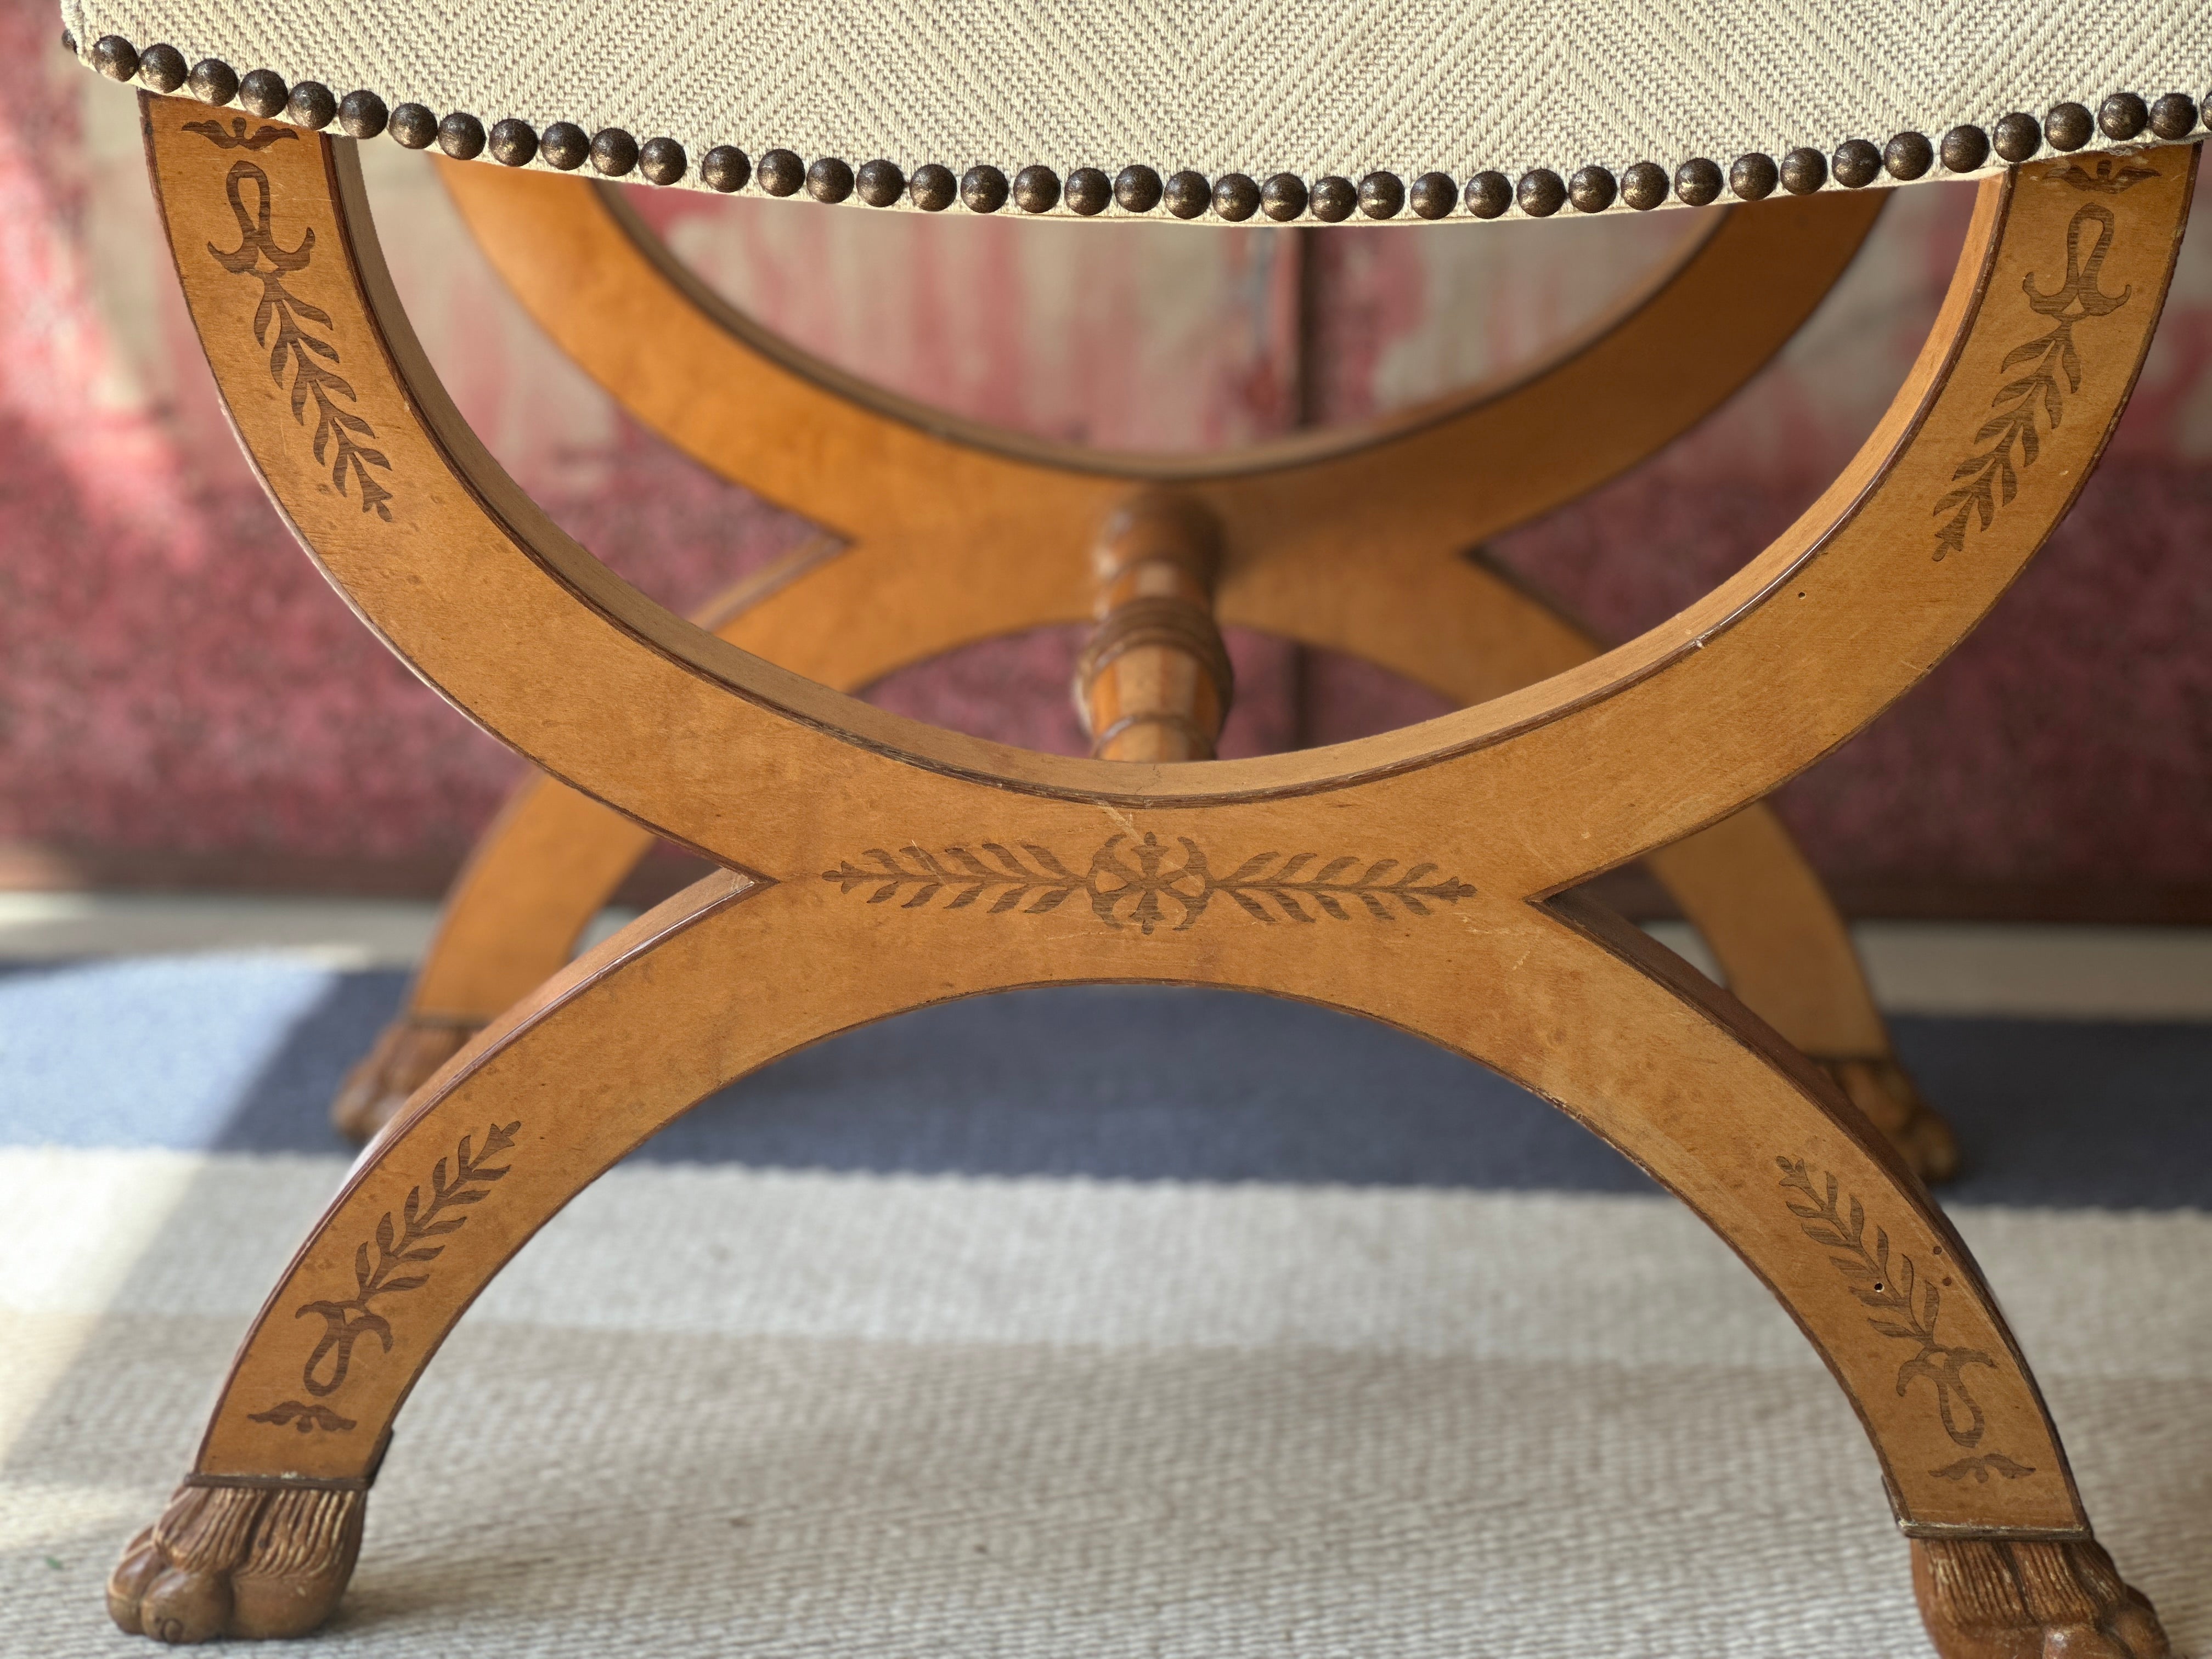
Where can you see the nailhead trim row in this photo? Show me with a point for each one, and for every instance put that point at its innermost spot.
(1088, 192)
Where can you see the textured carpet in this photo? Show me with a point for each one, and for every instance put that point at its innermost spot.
(992, 1331)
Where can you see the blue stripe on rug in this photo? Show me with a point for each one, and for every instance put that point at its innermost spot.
(242, 1052)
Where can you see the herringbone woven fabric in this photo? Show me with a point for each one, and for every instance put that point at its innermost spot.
(1305, 87)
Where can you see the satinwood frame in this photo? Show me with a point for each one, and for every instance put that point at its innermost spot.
(1430, 864)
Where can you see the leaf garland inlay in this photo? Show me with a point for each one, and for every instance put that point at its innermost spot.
(1148, 884)
(313, 362)
(1906, 1306)
(1989, 479)
(467, 1180)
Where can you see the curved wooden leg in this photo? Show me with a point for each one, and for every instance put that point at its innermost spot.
(1783, 948)
(543, 869)
(731, 974)
(1743, 883)
(406, 1054)
(547, 865)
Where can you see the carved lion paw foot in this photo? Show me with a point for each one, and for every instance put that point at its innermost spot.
(1885, 1092)
(249, 1561)
(406, 1053)
(1985, 1598)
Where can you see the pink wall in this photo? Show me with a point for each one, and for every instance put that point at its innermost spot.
(181, 695)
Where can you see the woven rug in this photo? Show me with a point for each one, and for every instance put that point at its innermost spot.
(1071, 1323)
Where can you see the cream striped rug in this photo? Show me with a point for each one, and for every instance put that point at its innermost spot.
(988, 1334)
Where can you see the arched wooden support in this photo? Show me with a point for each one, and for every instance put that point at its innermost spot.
(1420, 486)
(879, 864)
(554, 859)
(741, 402)
(731, 974)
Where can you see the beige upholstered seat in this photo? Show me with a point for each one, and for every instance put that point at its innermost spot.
(1374, 109)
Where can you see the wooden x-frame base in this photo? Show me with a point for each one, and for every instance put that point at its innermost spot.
(1422, 600)
(873, 864)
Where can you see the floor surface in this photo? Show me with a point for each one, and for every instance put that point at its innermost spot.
(993, 1331)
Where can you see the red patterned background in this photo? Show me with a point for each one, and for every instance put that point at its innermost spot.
(182, 700)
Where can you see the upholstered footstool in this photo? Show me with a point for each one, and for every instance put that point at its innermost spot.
(871, 865)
